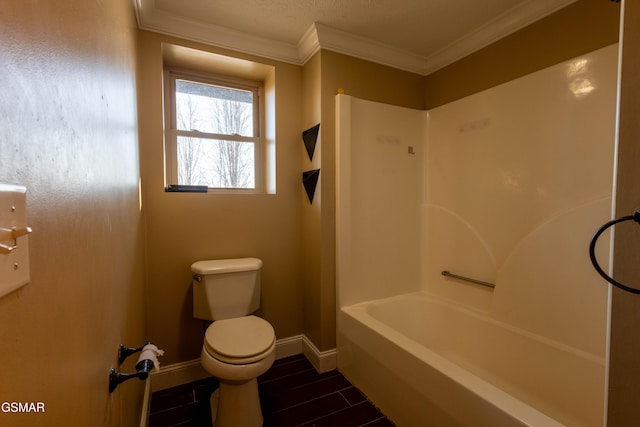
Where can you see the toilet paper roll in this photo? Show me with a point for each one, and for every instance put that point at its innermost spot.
(150, 352)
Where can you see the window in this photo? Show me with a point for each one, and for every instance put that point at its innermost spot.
(213, 137)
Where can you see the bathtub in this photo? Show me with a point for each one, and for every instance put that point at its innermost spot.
(425, 361)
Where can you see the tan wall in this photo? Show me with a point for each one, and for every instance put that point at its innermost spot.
(186, 227)
(581, 27)
(311, 212)
(69, 134)
(624, 363)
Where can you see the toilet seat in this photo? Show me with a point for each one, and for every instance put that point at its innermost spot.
(240, 340)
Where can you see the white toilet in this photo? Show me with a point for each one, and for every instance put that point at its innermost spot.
(238, 347)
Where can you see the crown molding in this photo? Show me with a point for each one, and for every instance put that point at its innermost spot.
(151, 19)
(359, 47)
(514, 19)
(308, 44)
(320, 36)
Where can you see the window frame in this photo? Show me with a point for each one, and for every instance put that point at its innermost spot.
(171, 131)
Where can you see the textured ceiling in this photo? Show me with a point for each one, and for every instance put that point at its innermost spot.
(416, 27)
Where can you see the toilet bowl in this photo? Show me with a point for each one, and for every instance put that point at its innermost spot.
(237, 351)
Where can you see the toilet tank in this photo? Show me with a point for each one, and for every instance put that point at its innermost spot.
(226, 288)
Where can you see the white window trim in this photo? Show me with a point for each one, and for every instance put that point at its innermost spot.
(171, 132)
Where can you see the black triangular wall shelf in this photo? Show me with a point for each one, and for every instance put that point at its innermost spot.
(310, 136)
(310, 181)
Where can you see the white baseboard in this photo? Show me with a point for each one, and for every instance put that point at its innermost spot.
(286, 347)
(177, 374)
(186, 372)
(323, 361)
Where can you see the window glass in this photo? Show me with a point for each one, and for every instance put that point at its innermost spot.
(214, 137)
(216, 163)
(213, 109)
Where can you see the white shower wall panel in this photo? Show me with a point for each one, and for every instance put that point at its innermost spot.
(517, 178)
(381, 191)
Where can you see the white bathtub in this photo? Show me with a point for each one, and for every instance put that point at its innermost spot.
(424, 361)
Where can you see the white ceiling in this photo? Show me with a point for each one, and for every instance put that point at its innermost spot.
(415, 35)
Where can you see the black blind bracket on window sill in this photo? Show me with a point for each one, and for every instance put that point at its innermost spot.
(176, 188)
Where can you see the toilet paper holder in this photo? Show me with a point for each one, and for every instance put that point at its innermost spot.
(124, 352)
(147, 361)
(142, 371)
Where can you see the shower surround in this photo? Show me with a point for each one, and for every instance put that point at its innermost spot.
(505, 186)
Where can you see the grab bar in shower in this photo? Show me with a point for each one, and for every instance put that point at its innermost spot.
(468, 279)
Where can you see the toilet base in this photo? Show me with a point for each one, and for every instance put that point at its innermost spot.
(236, 404)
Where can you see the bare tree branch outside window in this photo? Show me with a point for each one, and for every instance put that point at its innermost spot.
(234, 166)
(190, 151)
(217, 162)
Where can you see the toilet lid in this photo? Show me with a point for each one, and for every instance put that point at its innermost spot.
(239, 340)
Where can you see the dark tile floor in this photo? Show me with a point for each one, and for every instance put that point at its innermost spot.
(292, 393)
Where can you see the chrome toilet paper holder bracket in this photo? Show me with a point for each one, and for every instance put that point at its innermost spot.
(124, 352)
(116, 378)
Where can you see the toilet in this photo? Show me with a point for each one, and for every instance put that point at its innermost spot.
(238, 346)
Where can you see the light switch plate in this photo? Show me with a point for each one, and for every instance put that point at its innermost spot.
(14, 251)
